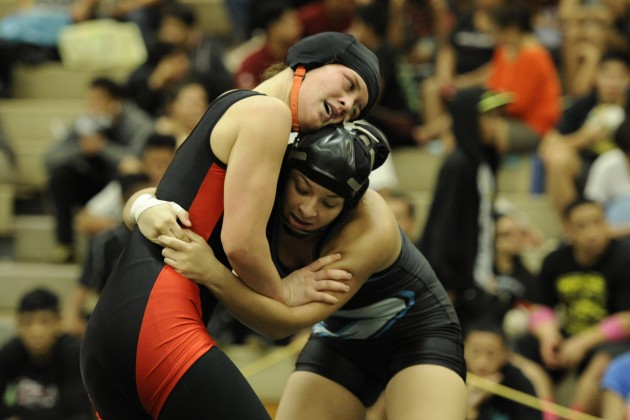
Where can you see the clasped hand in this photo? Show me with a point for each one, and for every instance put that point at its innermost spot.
(195, 260)
(191, 256)
(161, 220)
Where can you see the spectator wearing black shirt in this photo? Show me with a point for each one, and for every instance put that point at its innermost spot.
(39, 368)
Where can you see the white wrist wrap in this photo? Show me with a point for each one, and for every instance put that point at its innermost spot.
(146, 201)
(175, 206)
(142, 203)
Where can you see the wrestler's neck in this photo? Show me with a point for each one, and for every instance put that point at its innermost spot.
(278, 86)
(296, 252)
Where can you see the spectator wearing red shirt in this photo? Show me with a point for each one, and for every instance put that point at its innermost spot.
(281, 24)
(326, 15)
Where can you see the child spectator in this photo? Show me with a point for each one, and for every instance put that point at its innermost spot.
(39, 369)
(488, 356)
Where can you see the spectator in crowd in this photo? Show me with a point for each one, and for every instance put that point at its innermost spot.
(581, 316)
(392, 114)
(104, 141)
(458, 234)
(30, 33)
(39, 368)
(326, 15)
(487, 355)
(185, 105)
(104, 210)
(282, 28)
(509, 244)
(585, 130)
(240, 14)
(165, 67)
(417, 26)
(608, 182)
(183, 51)
(461, 62)
(589, 28)
(515, 289)
(522, 66)
(144, 13)
(616, 385)
(404, 210)
(103, 252)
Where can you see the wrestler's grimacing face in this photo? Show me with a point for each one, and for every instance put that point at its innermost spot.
(330, 94)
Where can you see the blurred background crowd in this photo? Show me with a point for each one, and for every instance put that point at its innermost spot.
(510, 170)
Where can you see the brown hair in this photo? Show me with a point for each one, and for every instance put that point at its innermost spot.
(272, 70)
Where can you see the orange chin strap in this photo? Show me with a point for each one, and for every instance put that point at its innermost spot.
(293, 99)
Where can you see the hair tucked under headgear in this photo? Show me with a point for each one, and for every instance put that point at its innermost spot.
(338, 48)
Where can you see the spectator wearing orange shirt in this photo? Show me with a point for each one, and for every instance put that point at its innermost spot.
(521, 65)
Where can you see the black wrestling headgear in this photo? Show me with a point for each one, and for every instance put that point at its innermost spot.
(340, 159)
(338, 48)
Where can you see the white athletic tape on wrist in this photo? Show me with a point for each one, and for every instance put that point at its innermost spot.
(176, 206)
(146, 201)
(142, 203)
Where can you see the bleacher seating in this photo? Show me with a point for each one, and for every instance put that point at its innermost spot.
(30, 125)
(7, 197)
(211, 13)
(52, 80)
(49, 96)
(16, 278)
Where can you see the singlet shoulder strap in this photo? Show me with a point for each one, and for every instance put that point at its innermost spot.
(236, 95)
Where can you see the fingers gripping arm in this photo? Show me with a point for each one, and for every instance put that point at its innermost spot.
(195, 260)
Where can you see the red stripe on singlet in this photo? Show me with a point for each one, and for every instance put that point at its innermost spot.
(173, 335)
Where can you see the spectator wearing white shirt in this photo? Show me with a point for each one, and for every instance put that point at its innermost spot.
(609, 182)
(104, 210)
